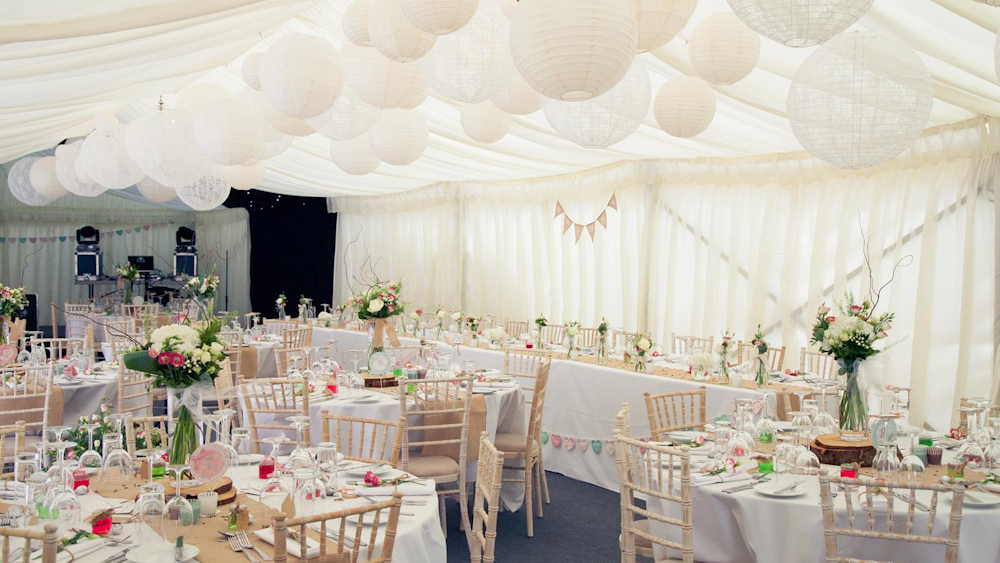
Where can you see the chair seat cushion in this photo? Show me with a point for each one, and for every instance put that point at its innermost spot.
(642, 525)
(512, 442)
(433, 467)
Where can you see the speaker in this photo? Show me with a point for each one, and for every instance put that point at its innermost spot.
(30, 313)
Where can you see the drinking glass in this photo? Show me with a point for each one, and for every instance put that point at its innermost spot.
(782, 452)
(802, 425)
(886, 464)
(912, 469)
(25, 465)
(90, 459)
(58, 431)
(179, 512)
(326, 456)
(150, 512)
(309, 490)
(117, 466)
(62, 507)
(274, 492)
(806, 465)
(35, 490)
(240, 441)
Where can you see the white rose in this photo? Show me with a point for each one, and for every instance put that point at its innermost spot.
(643, 344)
(441, 314)
(456, 316)
(375, 305)
(572, 330)
(217, 348)
(414, 316)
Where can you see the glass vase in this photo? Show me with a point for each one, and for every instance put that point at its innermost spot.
(184, 438)
(4, 330)
(762, 372)
(571, 347)
(640, 364)
(853, 404)
(127, 292)
(602, 349)
(723, 371)
(281, 312)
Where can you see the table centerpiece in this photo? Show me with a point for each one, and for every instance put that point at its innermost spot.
(602, 341)
(203, 290)
(127, 274)
(375, 306)
(12, 300)
(641, 347)
(725, 350)
(759, 348)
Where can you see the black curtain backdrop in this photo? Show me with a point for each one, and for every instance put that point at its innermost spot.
(292, 249)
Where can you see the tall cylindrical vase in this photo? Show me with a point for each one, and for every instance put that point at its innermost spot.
(853, 404)
(127, 292)
(602, 349)
(184, 438)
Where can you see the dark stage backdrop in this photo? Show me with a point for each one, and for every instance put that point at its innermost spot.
(292, 248)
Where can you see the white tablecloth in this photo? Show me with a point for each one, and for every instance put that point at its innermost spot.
(84, 399)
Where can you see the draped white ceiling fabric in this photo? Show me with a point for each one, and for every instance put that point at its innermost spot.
(63, 62)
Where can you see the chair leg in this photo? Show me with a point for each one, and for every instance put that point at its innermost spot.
(538, 490)
(545, 482)
(529, 512)
(444, 520)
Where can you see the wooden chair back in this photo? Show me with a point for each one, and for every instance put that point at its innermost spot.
(328, 351)
(648, 469)
(415, 355)
(80, 314)
(818, 363)
(677, 410)
(538, 406)
(147, 428)
(366, 440)
(515, 328)
(11, 441)
(553, 334)
(140, 312)
(289, 359)
(49, 537)
(134, 390)
(25, 394)
(275, 399)
(775, 356)
(486, 503)
(623, 337)
(866, 526)
(588, 338)
(680, 344)
(278, 326)
(436, 404)
(525, 365)
(124, 335)
(231, 337)
(359, 543)
(296, 338)
(59, 348)
(225, 383)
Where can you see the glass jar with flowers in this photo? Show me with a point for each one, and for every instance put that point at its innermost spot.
(473, 324)
(202, 291)
(496, 337)
(602, 341)
(376, 305)
(12, 300)
(279, 305)
(758, 350)
(127, 274)
(572, 330)
(540, 323)
(725, 351)
(641, 345)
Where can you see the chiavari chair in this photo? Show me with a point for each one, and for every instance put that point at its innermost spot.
(588, 338)
(526, 365)
(289, 359)
(677, 410)
(527, 447)
(278, 326)
(328, 351)
(351, 545)
(648, 469)
(78, 312)
(554, 334)
(367, 440)
(225, 392)
(12, 441)
(622, 337)
(231, 337)
(123, 335)
(134, 391)
(276, 399)
(486, 503)
(775, 356)
(515, 329)
(643, 547)
(296, 338)
(49, 538)
(823, 365)
(59, 348)
(866, 528)
(680, 344)
(148, 426)
(437, 411)
(248, 319)
(25, 394)
(140, 312)
(414, 355)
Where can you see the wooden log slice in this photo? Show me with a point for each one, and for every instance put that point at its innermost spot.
(831, 450)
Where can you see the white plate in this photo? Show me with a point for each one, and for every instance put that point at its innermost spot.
(369, 518)
(379, 470)
(484, 391)
(783, 425)
(366, 400)
(686, 436)
(990, 500)
(160, 554)
(768, 489)
(250, 458)
(69, 382)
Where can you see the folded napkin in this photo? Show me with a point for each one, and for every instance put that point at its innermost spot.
(946, 442)
(76, 551)
(13, 487)
(292, 546)
(423, 488)
(879, 502)
(740, 475)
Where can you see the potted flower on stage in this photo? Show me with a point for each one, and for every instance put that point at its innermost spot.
(12, 300)
(725, 350)
(759, 348)
(185, 359)
(127, 274)
(375, 305)
(602, 341)
(203, 290)
(572, 331)
(279, 304)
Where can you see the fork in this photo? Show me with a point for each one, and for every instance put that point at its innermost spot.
(234, 544)
(245, 544)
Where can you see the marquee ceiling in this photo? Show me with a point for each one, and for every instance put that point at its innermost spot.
(62, 62)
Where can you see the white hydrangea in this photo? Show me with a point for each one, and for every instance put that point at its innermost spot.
(496, 334)
(186, 339)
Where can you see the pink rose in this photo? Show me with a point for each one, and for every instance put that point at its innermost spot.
(824, 310)
(883, 334)
(830, 319)
(372, 480)
(153, 353)
(855, 308)
(391, 308)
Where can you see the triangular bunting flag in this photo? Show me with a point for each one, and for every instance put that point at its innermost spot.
(559, 210)
(613, 204)
(590, 229)
(603, 218)
(566, 224)
(579, 231)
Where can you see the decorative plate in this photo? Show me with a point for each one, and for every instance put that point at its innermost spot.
(379, 363)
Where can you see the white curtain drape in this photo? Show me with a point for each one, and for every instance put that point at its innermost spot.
(47, 268)
(705, 245)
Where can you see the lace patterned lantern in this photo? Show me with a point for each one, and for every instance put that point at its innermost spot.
(106, 160)
(800, 23)
(349, 117)
(19, 183)
(205, 193)
(66, 157)
(300, 75)
(164, 146)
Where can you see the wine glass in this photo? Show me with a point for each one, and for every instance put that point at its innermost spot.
(309, 490)
(62, 507)
(35, 492)
(25, 465)
(150, 512)
(240, 441)
(179, 512)
(90, 459)
(912, 469)
(58, 431)
(806, 465)
(802, 425)
(326, 456)
(117, 466)
(274, 492)
(62, 447)
(43, 452)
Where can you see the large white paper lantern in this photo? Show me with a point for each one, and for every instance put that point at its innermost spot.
(573, 49)
(349, 117)
(993, 3)
(723, 50)
(154, 191)
(273, 142)
(243, 177)
(44, 179)
(800, 23)
(606, 119)
(684, 106)
(205, 193)
(251, 70)
(661, 20)
(66, 157)
(163, 145)
(382, 82)
(394, 36)
(354, 22)
(860, 99)
(106, 161)
(106, 122)
(19, 183)
(472, 64)
(196, 96)
(354, 156)
(484, 122)
(300, 75)
(508, 7)
(400, 137)
(439, 17)
(517, 98)
(228, 132)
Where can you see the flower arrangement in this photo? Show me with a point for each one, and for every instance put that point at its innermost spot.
(541, 321)
(572, 330)
(761, 347)
(641, 346)
(325, 319)
(204, 290)
(280, 303)
(496, 336)
(127, 273)
(702, 362)
(12, 300)
(186, 360)
(473, 323)
(376, 304)
(725, 350)
(602, 341)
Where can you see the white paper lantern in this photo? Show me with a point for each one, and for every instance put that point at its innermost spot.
(472, 64)
(107, 162)
(300, 75)
(196, 96)
(606, 119)
(684, 106)
(400, 137)
(66, 157)
(573, 49)
(228, 132)
(349, 117)
(439, 17)
(484, 122)
(394, 36)
(382, 82)
(355, 23)
(800, 23)
(354, 156)
(79, 166)
(274, 142)
(996, 55)
(993, 3)
(860, 99)
(251, 70)
(245, 177)
(205, 193)
(517, 98)
(106, 122)
(163, 145)
(44, 179)
(154, 191)
(19, 183)
(508, 7)
(660, 21)
(723, 50)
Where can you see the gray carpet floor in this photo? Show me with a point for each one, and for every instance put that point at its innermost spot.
(581, 525)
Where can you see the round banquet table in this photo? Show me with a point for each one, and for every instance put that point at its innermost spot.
(84, 399)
